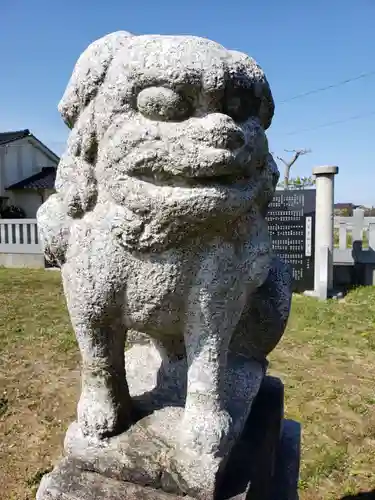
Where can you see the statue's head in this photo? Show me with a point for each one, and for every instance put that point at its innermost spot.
(166, 112)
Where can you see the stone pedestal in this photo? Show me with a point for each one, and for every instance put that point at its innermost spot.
(150, 452)
(263, 465)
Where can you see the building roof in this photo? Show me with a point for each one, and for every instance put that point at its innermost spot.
(6, 137)
(42, 180)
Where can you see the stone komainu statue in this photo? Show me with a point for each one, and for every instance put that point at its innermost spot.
(158, 224)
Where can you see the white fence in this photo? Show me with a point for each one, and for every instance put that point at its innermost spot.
(19, 236)
(19, 244)
(356, 238)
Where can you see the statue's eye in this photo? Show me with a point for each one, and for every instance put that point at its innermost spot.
(161, 103)
(240, 103)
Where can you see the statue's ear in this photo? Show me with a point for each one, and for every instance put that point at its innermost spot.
(89, 73)
(261, 87)
(267, 105)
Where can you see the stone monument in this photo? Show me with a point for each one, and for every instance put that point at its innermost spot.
(158, 225)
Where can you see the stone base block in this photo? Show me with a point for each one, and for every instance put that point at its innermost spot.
(147, 455)
(285, 480)
(263, 465)
(69, 481)
(150, 452)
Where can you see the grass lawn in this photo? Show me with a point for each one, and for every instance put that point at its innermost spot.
(326, 360)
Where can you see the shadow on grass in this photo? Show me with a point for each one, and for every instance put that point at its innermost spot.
(360, 496)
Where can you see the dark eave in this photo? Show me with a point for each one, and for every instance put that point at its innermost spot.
(42, 180)
(7, 137)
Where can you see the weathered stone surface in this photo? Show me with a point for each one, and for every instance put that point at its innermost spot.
(69, 481)
(158, 223)
(148, 452)
(134, 337)
(285, 481)
(262, 465)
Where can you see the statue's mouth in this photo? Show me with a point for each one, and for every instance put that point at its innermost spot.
(206, 166)
(166, 179)
(220, 180)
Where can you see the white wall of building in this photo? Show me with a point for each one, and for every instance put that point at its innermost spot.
(18, 161)
(21, 159)
(29, 201)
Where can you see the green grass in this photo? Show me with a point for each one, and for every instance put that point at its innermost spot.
(326, 360)
(44, 317)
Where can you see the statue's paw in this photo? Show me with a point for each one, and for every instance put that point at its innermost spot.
(205, 429)
(98, 415)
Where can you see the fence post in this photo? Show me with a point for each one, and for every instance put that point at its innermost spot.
(343, 236)
(324, 224)
(357, 226)
(371, 236)
(371, 243)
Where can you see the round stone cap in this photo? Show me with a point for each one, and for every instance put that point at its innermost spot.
(326, 170)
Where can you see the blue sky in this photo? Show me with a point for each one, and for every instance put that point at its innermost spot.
(301, 45)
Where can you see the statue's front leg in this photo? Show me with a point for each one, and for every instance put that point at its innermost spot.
(215, 305)
(94, 299)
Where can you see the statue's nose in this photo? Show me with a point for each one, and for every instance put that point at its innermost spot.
(221, 131)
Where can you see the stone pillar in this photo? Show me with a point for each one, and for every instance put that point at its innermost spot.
(324, 226)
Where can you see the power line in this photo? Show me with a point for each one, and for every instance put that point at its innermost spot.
(328, 87)
(330, 124)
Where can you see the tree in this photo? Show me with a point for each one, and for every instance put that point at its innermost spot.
(298, 183)
(289, 163)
